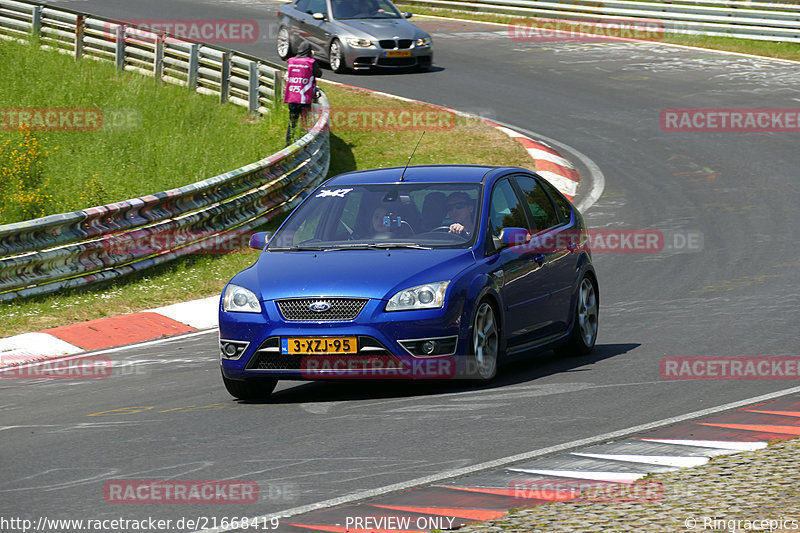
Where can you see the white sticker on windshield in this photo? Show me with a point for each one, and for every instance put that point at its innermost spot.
(337, 193)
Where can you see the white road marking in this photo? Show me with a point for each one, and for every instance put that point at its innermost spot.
(547, 156)
(614, 477)
(716, 444)
(661, 460)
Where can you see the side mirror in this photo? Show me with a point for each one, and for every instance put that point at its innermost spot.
(510, 237)
(318, 16)
(260, 239)
(408, 14)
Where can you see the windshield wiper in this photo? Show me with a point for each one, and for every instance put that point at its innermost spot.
(411, 245)
(359, 246)
(297, 249)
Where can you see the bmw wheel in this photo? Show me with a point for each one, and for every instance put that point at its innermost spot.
(284, 46)
(485, 343)
(584, 330)
(250, 390)
(337, 57)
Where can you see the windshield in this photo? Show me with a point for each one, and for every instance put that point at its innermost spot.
(364, 9)
(396, 215)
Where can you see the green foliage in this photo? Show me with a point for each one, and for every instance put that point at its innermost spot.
(151, 137)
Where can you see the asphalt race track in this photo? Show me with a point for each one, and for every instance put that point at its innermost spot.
(166, 414)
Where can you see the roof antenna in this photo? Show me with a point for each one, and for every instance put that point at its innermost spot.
(412, 155)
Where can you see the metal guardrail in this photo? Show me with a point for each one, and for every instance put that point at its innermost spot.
(735, 18)
(236, 77)
(103, 243)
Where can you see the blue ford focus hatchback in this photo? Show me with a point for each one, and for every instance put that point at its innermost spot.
(428, 272)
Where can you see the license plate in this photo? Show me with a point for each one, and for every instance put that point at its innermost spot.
(316, 345)
(398, 53)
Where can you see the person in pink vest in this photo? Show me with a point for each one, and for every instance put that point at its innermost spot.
(301, 85)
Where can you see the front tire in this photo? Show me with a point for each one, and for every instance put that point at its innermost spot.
(485, 345)
(284, 44)
(250, 390)
(584, 330)
(336, 57)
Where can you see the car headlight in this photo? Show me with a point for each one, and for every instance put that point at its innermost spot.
(359, 43)
(424, 41)
(428, 296)
(240, 300)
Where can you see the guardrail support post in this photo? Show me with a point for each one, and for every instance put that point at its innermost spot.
(80, 26)
(119, 53)
(158, 60)
(36, 22)
(277, 87)
(252, 87)
(194, 63)
(225, 78)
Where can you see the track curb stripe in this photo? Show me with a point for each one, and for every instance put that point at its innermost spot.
(470, 514)
(119, 330)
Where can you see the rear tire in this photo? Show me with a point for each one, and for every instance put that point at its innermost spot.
(584, 330)
(250, 390)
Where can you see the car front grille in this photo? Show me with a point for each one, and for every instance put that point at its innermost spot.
(339, 309)
(269, 356)
(391, 44)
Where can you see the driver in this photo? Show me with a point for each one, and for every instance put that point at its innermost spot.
(461, 209)
(368, 8)
(378, 226)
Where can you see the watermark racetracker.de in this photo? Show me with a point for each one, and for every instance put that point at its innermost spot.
(172, 492)
(730, 368)
(393, 119)
(77, 367)
(588, 491)
(90, 367)
(86, 119)
(548, 30)
(709, 120)
(200, 30)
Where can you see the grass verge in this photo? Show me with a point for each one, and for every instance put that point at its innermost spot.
(780, 50)
(378, 143)
(146, 137)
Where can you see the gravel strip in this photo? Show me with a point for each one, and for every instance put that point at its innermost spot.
(749, 487)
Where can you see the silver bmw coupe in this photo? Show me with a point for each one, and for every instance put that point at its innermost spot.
(354, 34)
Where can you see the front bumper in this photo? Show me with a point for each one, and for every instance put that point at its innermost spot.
(388, 344)
(358, 58)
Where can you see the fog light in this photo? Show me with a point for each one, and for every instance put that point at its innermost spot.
(232, 349)
(428, 347)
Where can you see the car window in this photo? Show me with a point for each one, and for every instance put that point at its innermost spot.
(352, 216)
(308, 228)
(317, 6)
(563, 206)
(355, 9)
(301, 5)
(539, 203)
(505, 210)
